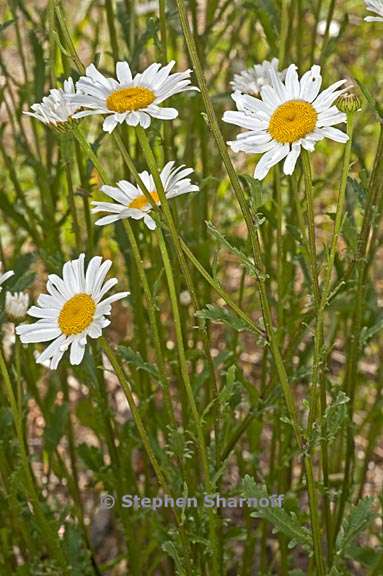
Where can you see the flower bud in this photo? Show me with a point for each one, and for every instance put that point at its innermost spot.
(16, 305)
(348, 103)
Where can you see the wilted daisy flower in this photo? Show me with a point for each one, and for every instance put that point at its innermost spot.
(129, 99)
(132, 203)
(72, 310)
(377, 7)
(16, 305)
(56, 109)
(4, 277)
(250, 81)
(290, 115)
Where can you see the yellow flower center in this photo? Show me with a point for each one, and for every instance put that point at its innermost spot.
(292, 120)
(129, 99)
(76, 314)
(141, 201)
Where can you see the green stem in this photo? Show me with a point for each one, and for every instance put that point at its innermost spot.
(151, 307)
(311, 225)
(67, 161)
(112, 29)
(317, 377)
(326, 36)
(283, 32)
(315, 31)
(361, 270)
(67, 38)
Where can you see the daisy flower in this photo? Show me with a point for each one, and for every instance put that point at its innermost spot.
(374, 6)
(4, 277)
(134, 100)
(56, 108)
(250, 81)
(289, 116)
(131, 202)
(72, 310)
(16, 305)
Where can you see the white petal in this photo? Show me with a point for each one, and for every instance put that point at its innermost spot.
(291, 159)
(51, 350)
(310, 84)
(269, 159)
(114, 298)
(105, 220)
(162, 113)
(76, 352)
(144, 120)
(110, 123)
(38, 333)
(292, 82)
(150, 223)
(334, 134)
(124, 73)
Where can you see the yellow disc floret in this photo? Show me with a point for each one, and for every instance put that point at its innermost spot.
(141, 201)
(76, 314)
(129, 99)
(292, 120)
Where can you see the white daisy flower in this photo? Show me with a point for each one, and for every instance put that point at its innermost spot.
(56, 108)
(16, 305)
(132, 203)
(134, 100)
(250, 81)
(374, 6)
(4, 277)
(290, 115)
(72, 310)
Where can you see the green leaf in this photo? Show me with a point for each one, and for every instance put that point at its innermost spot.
(268, 17)
(358, 519)
(5, 24)
(283, 521)
(55, 427)
(88, 415)
(23, 282)
(170, 548)
(334, 419)
(259, 196)
(223, 316)
(245, 260)
(369, 97)
(92, 457)
(335, 415)
(135, 358)
(368, 333)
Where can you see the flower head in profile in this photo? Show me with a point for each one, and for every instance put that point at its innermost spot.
(377, 7)
(131, 99)
(56, 109)
(130, 202)
(289, 116)
(251, 81)
(73, 309)
(16, 305)
(4, 276)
